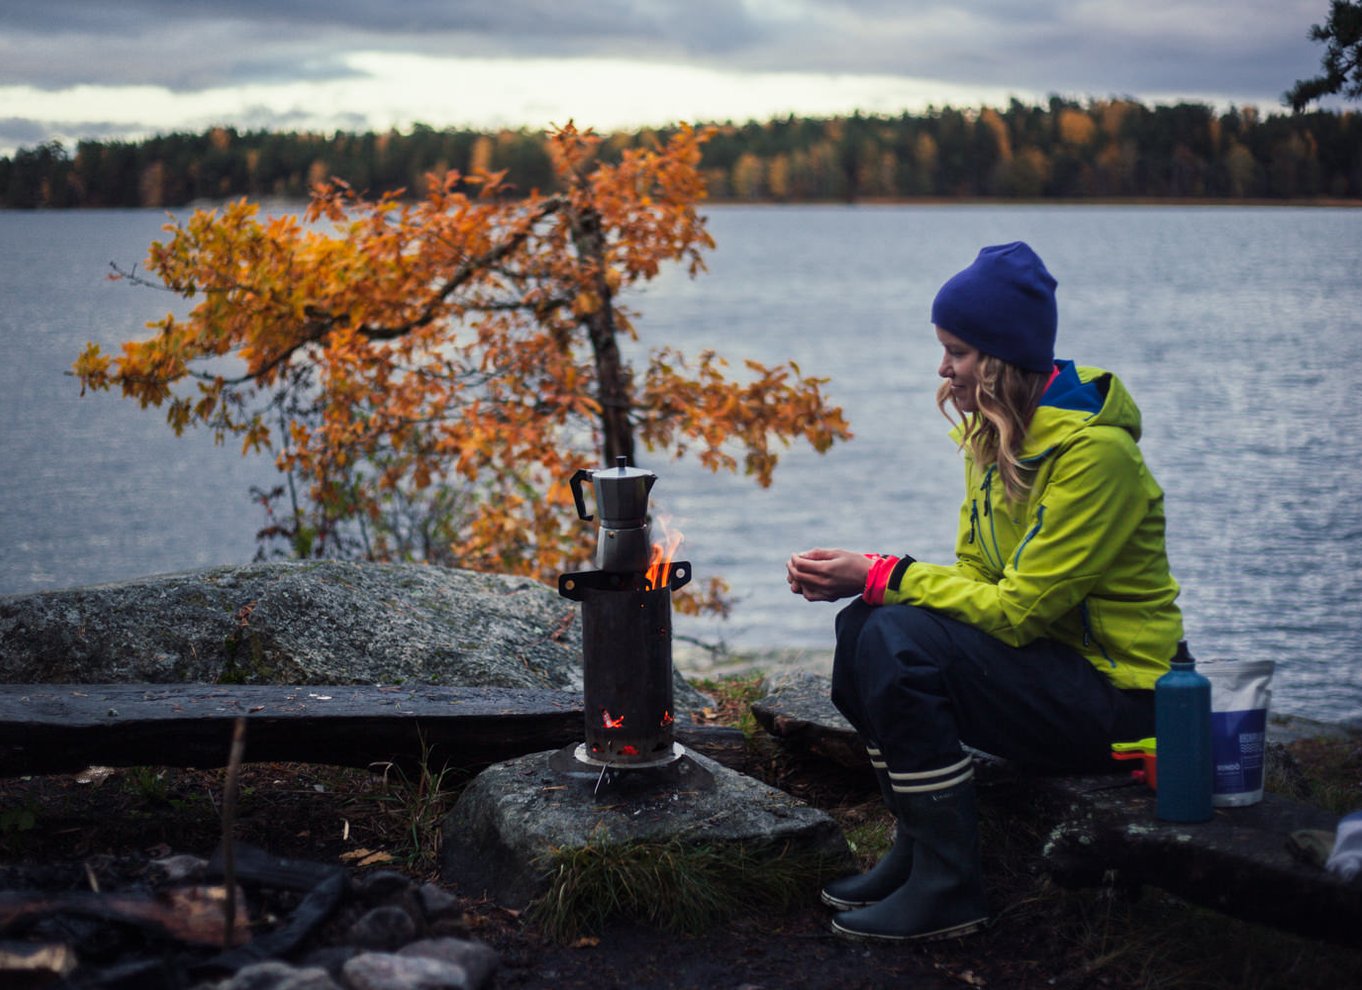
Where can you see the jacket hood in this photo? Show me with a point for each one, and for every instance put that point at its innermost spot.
(1079, 398)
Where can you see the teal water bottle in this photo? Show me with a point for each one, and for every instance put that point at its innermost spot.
(1182, 727)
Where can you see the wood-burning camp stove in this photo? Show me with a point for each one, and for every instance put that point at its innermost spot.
(626, 633)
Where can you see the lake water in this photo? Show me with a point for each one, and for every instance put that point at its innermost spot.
(1238, 330)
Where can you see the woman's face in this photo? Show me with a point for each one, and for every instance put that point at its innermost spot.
(960, 367)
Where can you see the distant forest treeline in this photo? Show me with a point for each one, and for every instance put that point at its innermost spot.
(1108, 149)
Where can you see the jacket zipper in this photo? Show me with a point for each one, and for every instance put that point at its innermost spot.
(997, 559)
(1040, 518)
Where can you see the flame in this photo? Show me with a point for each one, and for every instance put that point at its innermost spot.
(659, 566)
(628, 751)
(667, 719)
(611, 723)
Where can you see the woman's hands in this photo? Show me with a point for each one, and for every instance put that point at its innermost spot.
(827, 575)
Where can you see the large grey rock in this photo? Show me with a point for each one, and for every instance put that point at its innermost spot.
(798, 710)
(301, 622)
(515, 815)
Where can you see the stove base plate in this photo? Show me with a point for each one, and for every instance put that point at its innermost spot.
(679, 770)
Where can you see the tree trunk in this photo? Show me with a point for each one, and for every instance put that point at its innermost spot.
(612, 379)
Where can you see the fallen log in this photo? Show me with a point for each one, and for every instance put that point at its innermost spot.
(314, 909)
(61, 728)
(194, 915)
(1103, 830)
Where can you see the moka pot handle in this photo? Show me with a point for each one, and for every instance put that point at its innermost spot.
(576, 483)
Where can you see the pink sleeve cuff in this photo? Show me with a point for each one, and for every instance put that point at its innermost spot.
(877, 580)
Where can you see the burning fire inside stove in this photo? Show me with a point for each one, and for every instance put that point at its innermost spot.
(626, 624)
(659, 564)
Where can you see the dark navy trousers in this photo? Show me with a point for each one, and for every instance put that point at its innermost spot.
(917, 684)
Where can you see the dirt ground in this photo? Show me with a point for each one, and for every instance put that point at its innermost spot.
(114, 821)
(1043, 936)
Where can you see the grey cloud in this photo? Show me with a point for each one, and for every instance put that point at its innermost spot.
(1246, 48)
(192, 45)
(17, 132)
(175, 55)
(1249, 48)
(24, 132)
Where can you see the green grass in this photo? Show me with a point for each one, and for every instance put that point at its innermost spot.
(1326, 772)
(672, 885)
(414, 803)
(733, 695)
(870, 839)
(149, 784)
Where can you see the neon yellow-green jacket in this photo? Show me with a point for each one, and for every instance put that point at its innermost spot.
(1083, 561)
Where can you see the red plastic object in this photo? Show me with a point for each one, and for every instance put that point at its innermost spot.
(1149, 769)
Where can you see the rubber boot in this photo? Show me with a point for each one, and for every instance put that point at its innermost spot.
(886, 876)
(944, 894)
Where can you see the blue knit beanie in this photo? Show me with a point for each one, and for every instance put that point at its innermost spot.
(1003, 304)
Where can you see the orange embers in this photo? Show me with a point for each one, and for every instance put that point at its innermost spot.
(617, 722)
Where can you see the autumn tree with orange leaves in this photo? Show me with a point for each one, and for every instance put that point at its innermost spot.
(430, 374)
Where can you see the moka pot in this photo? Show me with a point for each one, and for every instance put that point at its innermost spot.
(624, 538)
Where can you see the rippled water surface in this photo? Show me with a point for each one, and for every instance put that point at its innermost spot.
(1238, 330)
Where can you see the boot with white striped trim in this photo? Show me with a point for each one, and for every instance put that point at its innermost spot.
(944, 894)
(886, 876)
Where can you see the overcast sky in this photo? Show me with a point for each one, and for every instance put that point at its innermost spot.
(110, 69)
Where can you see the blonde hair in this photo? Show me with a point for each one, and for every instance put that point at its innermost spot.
(1005, 398)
